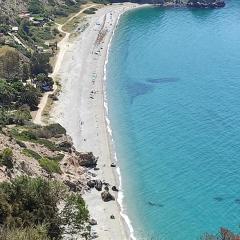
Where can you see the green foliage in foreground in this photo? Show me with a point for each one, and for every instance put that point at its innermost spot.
(36, 233)
(29, 207)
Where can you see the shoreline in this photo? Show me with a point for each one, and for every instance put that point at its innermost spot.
(82, 109)
(120, 195)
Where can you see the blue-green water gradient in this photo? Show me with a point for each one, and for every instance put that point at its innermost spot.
(173, 88)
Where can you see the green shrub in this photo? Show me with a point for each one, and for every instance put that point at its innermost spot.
(48, 144)
(31, 136)
(58, 157)
(31, 153)
(35, 233)
(51, 166)
(35, 6)
(56, 129)
(24, 135)
(52, 130)
(7, 158)
(76, 214)
(90, 11)
(27, 202)
(29, 210)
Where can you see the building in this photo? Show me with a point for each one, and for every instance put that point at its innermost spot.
(14, 29)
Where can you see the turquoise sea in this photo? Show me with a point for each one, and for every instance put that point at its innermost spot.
(173, 89)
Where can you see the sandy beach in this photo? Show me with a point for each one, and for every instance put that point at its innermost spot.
(81, 109)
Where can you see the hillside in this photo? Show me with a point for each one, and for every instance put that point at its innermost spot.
(11, 8)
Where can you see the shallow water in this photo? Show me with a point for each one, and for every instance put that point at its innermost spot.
(173, 86)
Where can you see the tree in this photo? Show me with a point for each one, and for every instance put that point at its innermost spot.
(11, 63)
(44, 82)
(7, 93)
(40, 64)
(30, 96)
(27, 202)
(25, 72)
(35, 7)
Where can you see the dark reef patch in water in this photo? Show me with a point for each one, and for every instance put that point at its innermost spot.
(155, 204)
(163, 80)
(218, 199)
(136, 89)
(237, 201)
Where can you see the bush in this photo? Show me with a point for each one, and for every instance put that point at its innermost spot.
(36, 7)
(7, 93)
(40, 64)
(58, 157)
(6, 158)
(20, 116)
(24, 135)
(30, 96)
(29, 210)
(75, 214)
(56, 129)
(36, 233)
(48, 144)
(51, 166)
(27, 202)
(31, 153)
(52, 130)
(90, 11)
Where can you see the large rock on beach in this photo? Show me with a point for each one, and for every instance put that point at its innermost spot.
(91, 183)
(98, 185)
(87, 159)
(107, 196)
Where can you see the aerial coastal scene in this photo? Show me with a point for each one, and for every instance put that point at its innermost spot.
(119, 120)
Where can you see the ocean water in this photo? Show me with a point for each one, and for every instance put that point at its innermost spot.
(173, 89)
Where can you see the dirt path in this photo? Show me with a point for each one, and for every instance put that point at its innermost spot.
(63, 46)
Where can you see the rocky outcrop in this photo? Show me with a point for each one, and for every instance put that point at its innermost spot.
(87, 159)
(181, 3)
(95, 183)
(205, 4)
(107, 196)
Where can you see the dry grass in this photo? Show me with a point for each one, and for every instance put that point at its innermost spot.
(6, 49)
(50, 102)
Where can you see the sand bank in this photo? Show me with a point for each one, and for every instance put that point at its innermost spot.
(82, 110)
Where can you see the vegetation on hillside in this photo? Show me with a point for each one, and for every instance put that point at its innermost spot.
(29, 209)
